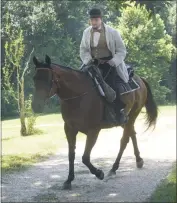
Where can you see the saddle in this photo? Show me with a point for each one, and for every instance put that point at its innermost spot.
(105, 90)
(132, 84)
(108, 94)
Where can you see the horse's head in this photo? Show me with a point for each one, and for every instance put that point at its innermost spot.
(44, 84)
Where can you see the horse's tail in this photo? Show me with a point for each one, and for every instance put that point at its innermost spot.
(151, 107)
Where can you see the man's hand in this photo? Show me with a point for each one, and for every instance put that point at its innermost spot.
(103, 61)
(85, 68)
(90, 62)
(111, 63)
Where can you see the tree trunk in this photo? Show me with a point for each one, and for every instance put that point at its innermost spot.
(23, 130)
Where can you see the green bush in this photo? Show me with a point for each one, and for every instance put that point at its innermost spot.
(149, 48)
(31, 118)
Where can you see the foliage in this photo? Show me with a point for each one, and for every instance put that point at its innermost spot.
(31, 118)
(166, 190)
(168, 15)
(153, 6)
(14, 51)
(150, 49)
(55, 28)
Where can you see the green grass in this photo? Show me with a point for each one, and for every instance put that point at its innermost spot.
(166, 191)
(19, 162)
(167, 110)
(44, 119)
(20, 152)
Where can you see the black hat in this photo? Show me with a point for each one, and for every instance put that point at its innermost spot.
(95, 13)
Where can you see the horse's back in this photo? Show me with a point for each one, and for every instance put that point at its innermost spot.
(135, 99)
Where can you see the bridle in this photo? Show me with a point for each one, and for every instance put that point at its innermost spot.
(55, 81)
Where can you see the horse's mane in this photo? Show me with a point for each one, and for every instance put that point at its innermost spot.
(67, 67)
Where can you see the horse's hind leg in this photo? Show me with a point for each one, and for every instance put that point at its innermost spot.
(71, 138)
(129, 132)
(90, 142)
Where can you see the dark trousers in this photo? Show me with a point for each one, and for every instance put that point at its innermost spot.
(112, 79)
(108, 72)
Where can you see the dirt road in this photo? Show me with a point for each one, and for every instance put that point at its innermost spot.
(43, 181)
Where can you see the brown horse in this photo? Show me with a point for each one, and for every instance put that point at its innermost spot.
(82, 110)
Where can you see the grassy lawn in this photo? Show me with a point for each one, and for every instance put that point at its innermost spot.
(166, 191)
(43, 119)
(167, 110)
(20, 152)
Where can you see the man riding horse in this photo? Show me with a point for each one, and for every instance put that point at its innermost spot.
(103, 45)
(81, 107)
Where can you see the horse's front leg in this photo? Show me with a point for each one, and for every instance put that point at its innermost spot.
(71, 138)
(90, 142)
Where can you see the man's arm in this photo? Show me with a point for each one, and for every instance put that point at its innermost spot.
(119, 48)
(84, 51)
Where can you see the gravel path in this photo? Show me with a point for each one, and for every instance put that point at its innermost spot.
(43, 181)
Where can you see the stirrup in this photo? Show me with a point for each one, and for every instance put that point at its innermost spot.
(123, 118)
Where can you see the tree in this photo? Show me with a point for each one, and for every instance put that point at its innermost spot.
(153, 6)
(149, 48)
(170, 21)
(13, 71)
(55, 28)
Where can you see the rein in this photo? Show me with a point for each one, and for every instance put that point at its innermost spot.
(71, 98)
(85, 93)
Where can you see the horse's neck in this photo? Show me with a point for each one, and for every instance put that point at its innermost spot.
(72, 83)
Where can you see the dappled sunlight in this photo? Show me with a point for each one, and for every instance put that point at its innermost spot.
(38, 183)
(50, 179)
(55, 176)
(112, 195)
(75, 195)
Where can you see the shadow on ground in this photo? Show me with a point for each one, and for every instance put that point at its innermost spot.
(43, 183)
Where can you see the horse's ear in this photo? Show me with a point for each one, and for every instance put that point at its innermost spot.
(47, 59)
(35, 61)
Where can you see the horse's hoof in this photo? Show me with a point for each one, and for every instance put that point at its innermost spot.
(140, 163)
(100, 174)
(66, 186)
(111, 173)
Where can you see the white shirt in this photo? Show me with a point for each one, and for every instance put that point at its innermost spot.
(96, 37)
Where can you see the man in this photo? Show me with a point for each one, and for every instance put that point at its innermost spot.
(104, 45)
